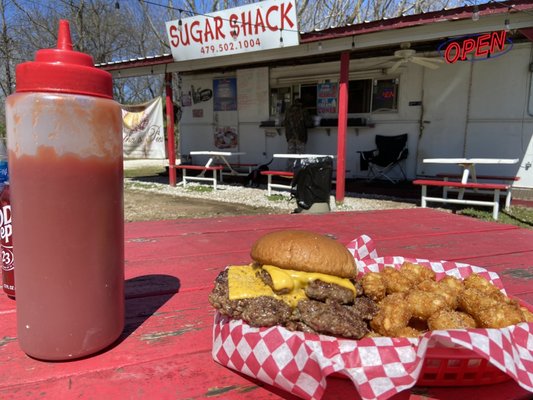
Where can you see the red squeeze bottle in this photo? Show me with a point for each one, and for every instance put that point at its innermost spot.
(64, 135)
(6, 236)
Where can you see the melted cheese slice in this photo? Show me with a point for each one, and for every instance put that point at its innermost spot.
(245, 283)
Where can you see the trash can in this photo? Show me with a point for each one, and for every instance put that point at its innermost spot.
(311, 185)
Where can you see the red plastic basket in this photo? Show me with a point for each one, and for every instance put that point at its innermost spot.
(458, 367)
(454, 367)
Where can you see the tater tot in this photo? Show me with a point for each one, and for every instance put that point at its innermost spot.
(527, 315)
(449, 319)
(476, 281)
(392, 316)
(416, 273)
(448, 292)
(499, 316)
(424, 304)
(472, 300)
(393, 298)
(453, 283)
(428, 285)
(374, 286)
(395, 281)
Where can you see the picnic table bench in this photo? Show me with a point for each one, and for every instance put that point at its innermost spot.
(283, 174)
(469, 181)
(236, 169)
(495, 188)
(201, 176)
(493, 178)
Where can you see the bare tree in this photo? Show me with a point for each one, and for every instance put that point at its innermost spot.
(7, 81)
(137, 29)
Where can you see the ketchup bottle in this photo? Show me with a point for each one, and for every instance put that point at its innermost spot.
(64, 134)
(6, 233)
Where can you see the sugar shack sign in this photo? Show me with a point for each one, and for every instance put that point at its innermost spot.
(260, 26)
(476, 47)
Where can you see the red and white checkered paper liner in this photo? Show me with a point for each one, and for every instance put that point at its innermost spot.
(378, 367)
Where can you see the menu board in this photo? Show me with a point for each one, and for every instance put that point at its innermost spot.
(252, 94)
(327, 98)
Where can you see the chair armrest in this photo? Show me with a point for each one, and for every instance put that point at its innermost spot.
(403, 154)
(368, 154)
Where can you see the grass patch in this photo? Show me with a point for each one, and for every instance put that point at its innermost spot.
(276, 197)
(140, 172)
(140, 185)
(517, 215)
(199, 188)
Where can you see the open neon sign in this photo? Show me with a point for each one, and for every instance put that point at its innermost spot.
(475, 47)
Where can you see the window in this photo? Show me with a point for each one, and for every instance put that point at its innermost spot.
(368, 95)
(364, 96)
(385, 95)
(359, 95)
(280, 98)
(309, 98)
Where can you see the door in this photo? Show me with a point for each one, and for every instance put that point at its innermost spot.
(443, 115)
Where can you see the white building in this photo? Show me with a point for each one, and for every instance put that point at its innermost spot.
(479, 107)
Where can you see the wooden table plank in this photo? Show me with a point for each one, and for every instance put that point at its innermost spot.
(387, 222)
(197, 377)
(156, 327)
(220, 242)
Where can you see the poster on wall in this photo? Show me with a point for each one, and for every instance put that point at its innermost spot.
(225, 94)
(142, 132)
(327, 98)
(195, 95)
(226, 137)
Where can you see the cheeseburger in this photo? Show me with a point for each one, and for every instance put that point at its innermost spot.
(300, 280)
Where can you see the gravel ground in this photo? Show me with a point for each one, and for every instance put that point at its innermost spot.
(257, 197)
(254, 197)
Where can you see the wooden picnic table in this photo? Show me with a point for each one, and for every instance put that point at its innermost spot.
(218, 156)
(469, 165)
(165, 350)
(469, 183)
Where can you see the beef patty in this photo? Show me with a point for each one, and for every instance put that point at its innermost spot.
(331, 310)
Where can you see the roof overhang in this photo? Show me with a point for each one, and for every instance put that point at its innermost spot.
(372, 39)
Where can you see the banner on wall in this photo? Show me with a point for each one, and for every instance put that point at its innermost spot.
(142, 132)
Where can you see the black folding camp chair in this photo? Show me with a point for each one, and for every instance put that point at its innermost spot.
(389, 153)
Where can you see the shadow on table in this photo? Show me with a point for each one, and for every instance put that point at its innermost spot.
(144, 296)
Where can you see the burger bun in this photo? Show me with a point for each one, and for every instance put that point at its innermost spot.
(305, 251)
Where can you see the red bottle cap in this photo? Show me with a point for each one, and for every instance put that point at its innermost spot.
(63, 70)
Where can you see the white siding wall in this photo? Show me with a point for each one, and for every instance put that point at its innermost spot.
(475, 109)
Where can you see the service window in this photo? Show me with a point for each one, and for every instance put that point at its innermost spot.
(280, 99)
(308, 95)
(359, 96)
(385, 95)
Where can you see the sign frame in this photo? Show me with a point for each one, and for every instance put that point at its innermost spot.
(265, 25)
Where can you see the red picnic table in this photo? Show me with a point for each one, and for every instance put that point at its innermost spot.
(165, 349)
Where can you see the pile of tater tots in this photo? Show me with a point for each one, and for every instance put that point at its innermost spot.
(411, 301)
